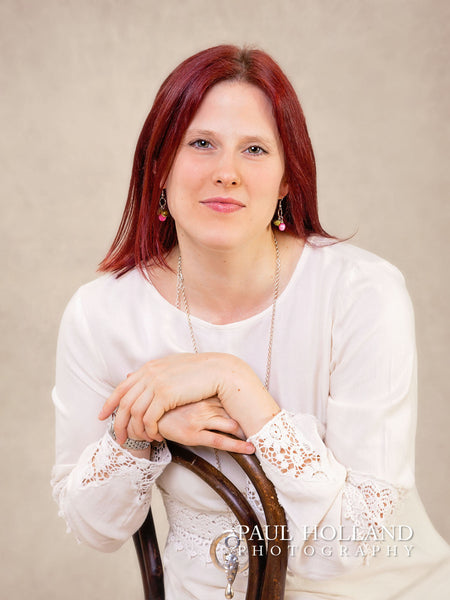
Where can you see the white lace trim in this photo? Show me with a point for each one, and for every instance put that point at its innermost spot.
(283, 447)
(110, 460)
(159, 453)
(192, 531)
(369, 503)
(253, 499)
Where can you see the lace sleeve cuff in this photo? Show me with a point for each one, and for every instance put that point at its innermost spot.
(110, 461)
(283, 447)
(104, 498)
(369, 503)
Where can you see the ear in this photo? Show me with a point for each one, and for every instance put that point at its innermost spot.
(284, 189)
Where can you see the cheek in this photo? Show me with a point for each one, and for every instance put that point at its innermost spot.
(184, 177)
(269, 183)
(189, 168)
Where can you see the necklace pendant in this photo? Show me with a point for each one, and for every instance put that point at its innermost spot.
(230, 555)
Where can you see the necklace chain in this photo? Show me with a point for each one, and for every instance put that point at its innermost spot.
(181, 296)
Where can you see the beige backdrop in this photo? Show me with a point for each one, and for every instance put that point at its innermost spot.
(77, 79)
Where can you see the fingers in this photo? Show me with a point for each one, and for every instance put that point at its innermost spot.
(125, 408)
(136, 423)
(224, 442)
(162, 402)
(113, 401)
(203, 423)
(132, 434)
(137, 412)
(128, 419)
(151, 417)
(225, 425)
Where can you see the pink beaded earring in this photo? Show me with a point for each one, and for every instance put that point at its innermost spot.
(279, 221)
(163, 213)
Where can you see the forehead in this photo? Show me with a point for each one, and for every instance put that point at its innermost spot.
(237, 105)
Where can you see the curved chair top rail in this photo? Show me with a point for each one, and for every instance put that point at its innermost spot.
(277, 547)
(267, 568)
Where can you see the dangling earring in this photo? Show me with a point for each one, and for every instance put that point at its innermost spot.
(279, 221)
(163, 213)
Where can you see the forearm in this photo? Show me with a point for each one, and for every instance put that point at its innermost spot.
(244, 396)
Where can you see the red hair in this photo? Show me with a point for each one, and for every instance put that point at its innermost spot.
(141, 237)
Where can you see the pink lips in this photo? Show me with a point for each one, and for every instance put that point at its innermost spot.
(223, 205)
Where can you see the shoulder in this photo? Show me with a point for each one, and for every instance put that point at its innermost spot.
(358, 276)
(346, 257)
(352, 265)
(105, 298)
(110, 288)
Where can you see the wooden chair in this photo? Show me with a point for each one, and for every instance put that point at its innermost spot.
(267, 561)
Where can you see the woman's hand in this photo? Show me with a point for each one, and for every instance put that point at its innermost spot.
(164, 384)
(161, 385)
(203, 424)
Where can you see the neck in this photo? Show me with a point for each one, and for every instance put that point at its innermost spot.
(223, 286)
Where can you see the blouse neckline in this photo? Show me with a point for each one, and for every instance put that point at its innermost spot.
(178, 313)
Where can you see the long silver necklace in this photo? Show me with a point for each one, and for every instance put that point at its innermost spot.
(181, 296)
(229, 561)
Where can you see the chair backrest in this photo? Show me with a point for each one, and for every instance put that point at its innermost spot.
(267, 560)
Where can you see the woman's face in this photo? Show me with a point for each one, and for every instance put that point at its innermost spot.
(227, 176)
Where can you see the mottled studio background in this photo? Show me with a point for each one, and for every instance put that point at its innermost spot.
(77, 80)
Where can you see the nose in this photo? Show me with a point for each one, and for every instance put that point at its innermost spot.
(226, 172)
(228, 180)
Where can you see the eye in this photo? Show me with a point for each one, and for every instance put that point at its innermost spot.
(256, 150)
(203, 144)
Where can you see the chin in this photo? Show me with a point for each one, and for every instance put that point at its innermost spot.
(222, 234)
(220, 239)
(221, 243)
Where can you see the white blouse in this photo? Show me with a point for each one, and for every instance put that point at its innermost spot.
(340, 454)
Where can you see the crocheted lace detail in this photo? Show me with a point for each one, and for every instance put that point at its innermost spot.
(369, 503)
(280, 444)
(110, 460)
(253, 499)
(159, 453)
(193, 532)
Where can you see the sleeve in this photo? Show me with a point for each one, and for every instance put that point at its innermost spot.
(342, 483)
(102, 490)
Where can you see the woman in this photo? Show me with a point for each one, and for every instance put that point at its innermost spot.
(226, 309)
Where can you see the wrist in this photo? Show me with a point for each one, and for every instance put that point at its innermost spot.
(245, 398)
(255, 423)
(141, 453)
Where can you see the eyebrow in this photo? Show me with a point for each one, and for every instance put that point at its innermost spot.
(246, 139)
